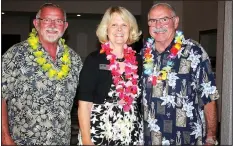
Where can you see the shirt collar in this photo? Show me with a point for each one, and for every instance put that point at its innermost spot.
(167, 50)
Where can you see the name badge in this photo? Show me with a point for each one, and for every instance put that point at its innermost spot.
(103, 67)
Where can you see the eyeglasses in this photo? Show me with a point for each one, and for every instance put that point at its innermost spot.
(163, 21)
(49, 21)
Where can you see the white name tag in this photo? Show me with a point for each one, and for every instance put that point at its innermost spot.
(103, 67)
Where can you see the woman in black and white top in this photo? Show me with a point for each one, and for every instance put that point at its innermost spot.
(109, 90)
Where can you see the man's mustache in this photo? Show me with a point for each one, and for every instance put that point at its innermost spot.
(159, 30)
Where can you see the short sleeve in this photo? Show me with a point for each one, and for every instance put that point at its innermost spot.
(207, 86)
(9, 72)
(88, 79)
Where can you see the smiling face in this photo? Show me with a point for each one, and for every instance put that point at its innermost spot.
(118, 30)
(50, 31)
(162, 31)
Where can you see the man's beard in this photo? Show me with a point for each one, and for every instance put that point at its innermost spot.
(51, 38)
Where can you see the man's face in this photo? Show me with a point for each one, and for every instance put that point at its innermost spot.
(51, 25)
(162, 24)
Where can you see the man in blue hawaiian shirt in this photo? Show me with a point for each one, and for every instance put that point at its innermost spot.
(179, 89)
(39, 81)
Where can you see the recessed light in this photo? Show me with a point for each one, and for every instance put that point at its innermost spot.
(3, 13)
(78, 15)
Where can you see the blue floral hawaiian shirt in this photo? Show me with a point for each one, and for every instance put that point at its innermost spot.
(174, 108)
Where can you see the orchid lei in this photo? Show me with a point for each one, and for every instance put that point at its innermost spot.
(46, 66)
(127, 87)
(149, 59)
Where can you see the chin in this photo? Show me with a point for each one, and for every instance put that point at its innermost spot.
(120, 42)
(52, 40)
(159, 39)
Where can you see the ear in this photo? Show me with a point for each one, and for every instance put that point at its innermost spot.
(36, 23)
(66, 25)
(176, 22)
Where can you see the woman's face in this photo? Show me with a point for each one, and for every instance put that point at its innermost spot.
(118, 30)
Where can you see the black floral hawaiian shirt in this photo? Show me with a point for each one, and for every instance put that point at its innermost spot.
(174, 108)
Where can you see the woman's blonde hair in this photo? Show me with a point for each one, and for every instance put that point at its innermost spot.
(101, 31)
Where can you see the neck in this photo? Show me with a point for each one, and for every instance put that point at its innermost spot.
(162, 45)
(118, 50)
(51, 48)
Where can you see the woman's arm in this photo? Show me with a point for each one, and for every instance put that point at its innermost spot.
(84, 114)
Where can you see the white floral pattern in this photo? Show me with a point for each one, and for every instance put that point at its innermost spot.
(172, 77)
(188, 107)
(195, 59)
(165, 142)
(197, 130)
(152, 124)
(168, 100)
(110, 125)
(207, 89)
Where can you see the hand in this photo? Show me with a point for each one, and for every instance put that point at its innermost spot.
(211, 141)
(7, 140)
(206, 144)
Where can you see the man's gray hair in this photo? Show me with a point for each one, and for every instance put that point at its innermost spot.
(164, 5)
(50, 5)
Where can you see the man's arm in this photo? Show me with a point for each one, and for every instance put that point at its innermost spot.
(6, 138)
(210, 111)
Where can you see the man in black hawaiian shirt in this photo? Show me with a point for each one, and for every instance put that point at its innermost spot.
(179, 89)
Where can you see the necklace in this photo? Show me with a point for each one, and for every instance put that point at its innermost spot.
(47, 66)
(127, 87)
(120, 59)
(148, 62)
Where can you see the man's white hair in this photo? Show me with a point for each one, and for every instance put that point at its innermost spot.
(164, 5)
(50, 5)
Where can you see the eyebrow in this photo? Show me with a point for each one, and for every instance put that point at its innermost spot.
(162, 17)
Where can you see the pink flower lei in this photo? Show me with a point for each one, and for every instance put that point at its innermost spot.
(127, 86)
